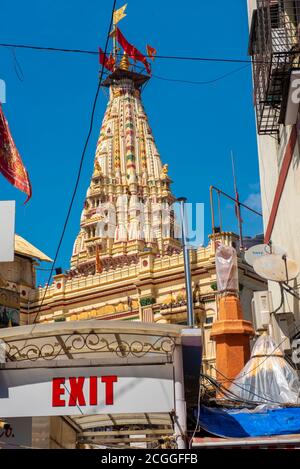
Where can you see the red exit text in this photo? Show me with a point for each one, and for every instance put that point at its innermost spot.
(74, 391)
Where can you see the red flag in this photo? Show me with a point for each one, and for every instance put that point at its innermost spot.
(151, 52)
(110, 64)
(11, 164)
(105, 61)
(132, 51)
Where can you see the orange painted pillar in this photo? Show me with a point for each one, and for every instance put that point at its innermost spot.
(232, 335)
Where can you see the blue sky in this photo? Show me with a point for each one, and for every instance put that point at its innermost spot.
(195, 126)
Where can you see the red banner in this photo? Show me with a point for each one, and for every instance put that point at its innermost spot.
(132, 51)
(151, 52)
(11, 164)
(107, 62)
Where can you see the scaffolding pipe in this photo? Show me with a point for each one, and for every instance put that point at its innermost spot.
(187, 266)
(238, 204)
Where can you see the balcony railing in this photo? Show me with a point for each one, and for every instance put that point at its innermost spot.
(274, 47)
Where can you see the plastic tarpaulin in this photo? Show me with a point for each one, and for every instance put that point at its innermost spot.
(245, 423)
(226, 268)
(267, 377)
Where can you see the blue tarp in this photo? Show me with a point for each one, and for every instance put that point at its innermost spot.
(245, 423)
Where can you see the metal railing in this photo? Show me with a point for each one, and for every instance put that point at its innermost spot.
(274, 46)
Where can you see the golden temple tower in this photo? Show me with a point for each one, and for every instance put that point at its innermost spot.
(129, 189)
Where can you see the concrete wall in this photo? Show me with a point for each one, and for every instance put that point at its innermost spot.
(18, 272)
(286, 231)
(53, 433)
(251, 4)
(62, 434)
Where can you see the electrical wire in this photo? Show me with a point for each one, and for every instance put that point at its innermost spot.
(50, 49)
(198, 415)
(269, 355)
(17, 66)
(245, 389)
(208, 82)
(203, 59)
(71, 396)
(164, 57)
(281, 301)
(248, 389)
(157, 77)
(229, 394)
(40, 268)
(79, 169)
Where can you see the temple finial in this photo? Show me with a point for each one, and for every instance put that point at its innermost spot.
(124, 64)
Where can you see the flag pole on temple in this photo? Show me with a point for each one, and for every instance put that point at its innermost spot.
(117, 16)
(237, 204)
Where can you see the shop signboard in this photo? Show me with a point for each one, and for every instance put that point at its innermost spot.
(86, 390)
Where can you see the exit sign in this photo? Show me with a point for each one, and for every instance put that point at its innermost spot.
(86, 390)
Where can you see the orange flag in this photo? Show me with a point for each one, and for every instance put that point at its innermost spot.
(11, 164)
(151, 52)
(110, 63)
(99, 266)
(107, 62)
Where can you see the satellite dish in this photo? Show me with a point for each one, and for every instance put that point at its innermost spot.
(259, 250)
(274, 267)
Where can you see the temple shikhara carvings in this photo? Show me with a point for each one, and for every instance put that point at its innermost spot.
(127, 204)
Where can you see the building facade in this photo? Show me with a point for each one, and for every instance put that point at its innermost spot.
(274, 46)
(18, 283)
(127, 262)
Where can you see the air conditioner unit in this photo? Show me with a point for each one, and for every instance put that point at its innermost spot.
(261, 309)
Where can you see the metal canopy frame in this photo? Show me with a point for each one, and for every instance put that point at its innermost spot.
(124, 429)
(99, 343)
(89, 340)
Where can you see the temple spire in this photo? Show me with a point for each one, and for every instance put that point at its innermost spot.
(122, 215)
